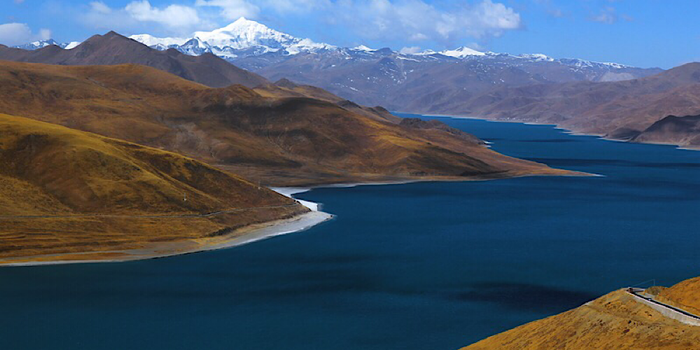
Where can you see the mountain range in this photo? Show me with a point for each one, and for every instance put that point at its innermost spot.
(411, 82)
(632, 110)
(608, 99)
(113, 48)
(48, 42)
(401, 81)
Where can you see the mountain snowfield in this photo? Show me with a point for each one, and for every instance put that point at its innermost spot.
(245, 38)
(44, 43)
(241, 38)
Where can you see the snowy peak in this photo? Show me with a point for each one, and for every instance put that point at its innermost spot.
(242, 38)
(245, 38)
(363, 48)
(538, 57)
(162, 43)
(244, 34)
(462, 52)
(40, 44)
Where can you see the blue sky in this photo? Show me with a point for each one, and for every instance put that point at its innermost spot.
(643, 33)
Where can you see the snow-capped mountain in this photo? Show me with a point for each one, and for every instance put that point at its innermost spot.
(44, 43)
(158, 43)
(241, 38)
(462, 52)
(254, 46)
(383, 76)
(427, 81)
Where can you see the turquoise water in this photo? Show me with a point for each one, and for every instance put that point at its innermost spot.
(415, 266)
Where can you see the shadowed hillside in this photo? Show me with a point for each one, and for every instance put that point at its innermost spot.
(65, 191)
(113, 48)
(280, 141)
(285, 88)
(683, 131)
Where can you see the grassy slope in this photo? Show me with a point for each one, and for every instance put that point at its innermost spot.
(101, 189)
(614, 321)
(281, 141)
(685, 295)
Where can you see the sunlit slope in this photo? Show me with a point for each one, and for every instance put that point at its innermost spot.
(614, 321)
(281, 141)
(685, 295)
(63, 190)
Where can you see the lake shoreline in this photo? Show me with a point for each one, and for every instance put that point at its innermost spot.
(244, 235)
(565, 130)
(248, 234)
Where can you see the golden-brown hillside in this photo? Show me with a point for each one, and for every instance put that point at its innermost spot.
(615, 321)
(64, 191)
(685, 295)
(280, 141)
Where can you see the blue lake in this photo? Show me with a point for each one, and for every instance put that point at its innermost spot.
(414, 266)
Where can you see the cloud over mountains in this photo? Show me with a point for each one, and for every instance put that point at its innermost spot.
(20, 33)
(418, 20)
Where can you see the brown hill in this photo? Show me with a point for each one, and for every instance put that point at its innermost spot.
(286, 88)
(615, 321)
(281, 141)
(685, 295)
(682, 131)
(425, 83)
(619, 110)
(112, 48)
(67, 192)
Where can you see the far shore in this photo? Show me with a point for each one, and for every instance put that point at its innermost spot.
(567, 131)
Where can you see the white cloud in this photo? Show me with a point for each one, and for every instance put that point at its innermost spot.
(416, 20)
(44, 34)
(608, 16)
(382, 20)
(295, 6)
(551, 9)
(20, 33)
(410, 50)
(420, 21)
(232, 9)
(100, 7)
(141, 15)
(176, 16)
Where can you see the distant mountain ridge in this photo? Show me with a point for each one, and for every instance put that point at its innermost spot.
(634, 110)
(412, 82)
(241, 38)
(245, 38)
(34, 45)
(113, 48)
